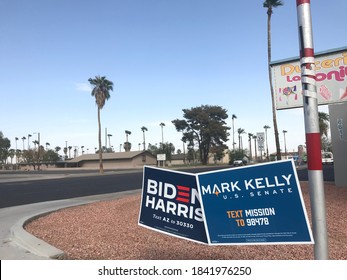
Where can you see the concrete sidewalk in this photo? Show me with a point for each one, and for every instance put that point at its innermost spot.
(18, 244)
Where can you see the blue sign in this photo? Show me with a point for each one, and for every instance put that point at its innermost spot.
(171, 204)
(254, 204)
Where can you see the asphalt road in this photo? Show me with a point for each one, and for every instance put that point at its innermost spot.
(84, 183)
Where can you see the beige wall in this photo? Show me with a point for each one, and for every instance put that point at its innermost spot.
(121, 163)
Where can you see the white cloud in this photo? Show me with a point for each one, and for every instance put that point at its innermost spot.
(83, 87)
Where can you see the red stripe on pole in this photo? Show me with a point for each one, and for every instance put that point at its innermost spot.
(307, 52)
(299, 2)
(314, 154)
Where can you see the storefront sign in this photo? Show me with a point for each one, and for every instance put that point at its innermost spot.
(331, 79)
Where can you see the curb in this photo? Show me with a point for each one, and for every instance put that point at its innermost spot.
(31, 243)
(38, 247)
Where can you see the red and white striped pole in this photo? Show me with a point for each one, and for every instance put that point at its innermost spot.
(313, 144)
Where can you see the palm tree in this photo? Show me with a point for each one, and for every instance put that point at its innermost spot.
(23, 138)
(101, 92)
(127, 144)
(109, 140)
(16, 139)
(11, 153)
(162, 133)
(144, 141)
(36, 143)
(70, 147)
(232, 118)
(240, 131)
(285, 144)
(269, 5)
(65, 152)
(250, 136)
(255, 147)
(29, 135)
(323, 119)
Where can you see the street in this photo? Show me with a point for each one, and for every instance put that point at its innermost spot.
(78, 183)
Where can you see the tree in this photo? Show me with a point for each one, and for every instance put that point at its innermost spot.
(11, 153)
(239, 132)
(166, 148)
(127, 144)
(204, 125)
(70, 147)
(250, 137)
(323, 119)
(255, 147)
(65, 152)
(101, 92)
(162, 133)
(57, 149)
(153, 148)
(269, 5)
(50, 156)
(5, 144)
(218, 152)
(232, 118)
(29, 157)
(23, 138)
(144, 139)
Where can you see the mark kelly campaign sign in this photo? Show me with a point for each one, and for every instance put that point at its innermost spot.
(171, 204)
(254, 205)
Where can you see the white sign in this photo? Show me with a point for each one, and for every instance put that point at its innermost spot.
(331, 79)
(161, 157)
(260, 139)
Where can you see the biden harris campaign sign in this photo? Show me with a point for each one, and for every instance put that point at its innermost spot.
(171, 204)
(254, 204)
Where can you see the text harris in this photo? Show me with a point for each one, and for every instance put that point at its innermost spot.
(177, 200)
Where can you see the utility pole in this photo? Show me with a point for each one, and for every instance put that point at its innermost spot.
(314, 160)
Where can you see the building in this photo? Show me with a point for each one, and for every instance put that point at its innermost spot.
(121, 160)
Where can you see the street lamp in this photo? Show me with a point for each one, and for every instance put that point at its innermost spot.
(285, 145)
